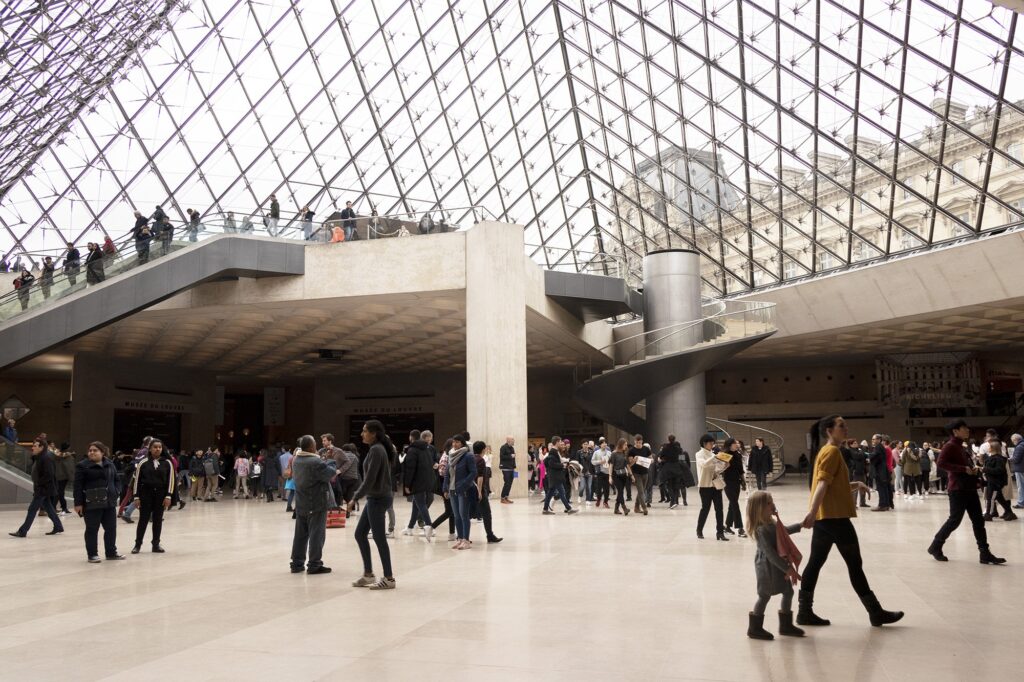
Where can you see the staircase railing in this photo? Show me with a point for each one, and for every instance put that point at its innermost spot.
(748, 433)
(15, 457)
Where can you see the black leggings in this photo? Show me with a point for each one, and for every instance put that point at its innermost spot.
(841, 533)
(602, 489)
(620, 488)
(447, 516)
(59, 500)
(710, 496)
(734, 518)
(372, 518)
(910, 484)
(993, 492)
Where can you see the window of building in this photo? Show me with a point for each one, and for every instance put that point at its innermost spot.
(790, 269)
(826, 261)
(907, 240)
(908, 183)
(1016, 210)
(958, 168)
(862, 250)
(1015, 151)
(862, 207)
(759, 277)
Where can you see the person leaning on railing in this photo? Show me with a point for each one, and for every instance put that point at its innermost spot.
(94, 264)
(23, 285)
(72, 263)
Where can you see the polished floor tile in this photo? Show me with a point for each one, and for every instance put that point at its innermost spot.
(563, 597)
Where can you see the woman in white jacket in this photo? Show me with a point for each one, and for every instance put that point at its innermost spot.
(710, 485)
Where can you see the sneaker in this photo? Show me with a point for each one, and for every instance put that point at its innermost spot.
(318, 570)
(136, 549)
(673, 506)
(390, 534)
(428, 534)
(452, 537)
(383, 584)
(94, 560)
(364, 581)
(407, 531)
(127, 519)
(117, 557)
(571, 511)
(547, 511)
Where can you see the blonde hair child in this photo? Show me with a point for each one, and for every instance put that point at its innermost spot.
(772, 570)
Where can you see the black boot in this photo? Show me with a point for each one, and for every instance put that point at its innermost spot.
(1009, 516)
(935, 549)
(805, 614)
(987, 557)
(878, 615)
(755, 627)
(786, 626)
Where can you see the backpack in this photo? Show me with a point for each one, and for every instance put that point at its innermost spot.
(257, 469)
(210, 467)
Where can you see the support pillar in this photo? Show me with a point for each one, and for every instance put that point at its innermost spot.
(671, 297)
(496, 344)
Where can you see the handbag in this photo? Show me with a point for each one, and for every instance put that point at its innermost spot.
(96, 498)
(718, 482)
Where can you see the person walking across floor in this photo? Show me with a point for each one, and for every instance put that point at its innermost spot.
(1017, 467)
(710, 485)
(211, 475)
(418, 483)
(760, 463)
(95, 498)
(376, 488)
(996, 478)
(44, 487)
(962, 491)
(775, 573)
(312, 477)
(733, 477)
(639, 458)
(507, 464)
(555, 473)
(64, 464)
(621, 475)
(910, 460)
(153, 492)
(671, 469)
(830, 514)
(481, 453)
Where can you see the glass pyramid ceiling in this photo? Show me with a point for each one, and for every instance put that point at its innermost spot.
(780, 139)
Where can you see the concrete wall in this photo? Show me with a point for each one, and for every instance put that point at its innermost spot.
(45, 399)
(101, 385)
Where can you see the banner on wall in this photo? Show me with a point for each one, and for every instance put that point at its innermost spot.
(273, 406)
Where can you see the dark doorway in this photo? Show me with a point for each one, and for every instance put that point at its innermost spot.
(398, 427)
(131, 426)
(243, 422)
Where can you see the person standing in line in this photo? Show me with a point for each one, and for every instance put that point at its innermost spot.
(963, 486)
(72, 263)
(312, 476)
(95, 497)
(274, 216)
(507, 464)
(858, 469)
(710, 485)
(760, 463)
(46, 277)
(830, 514)
(483, 489)
(775, 573)
(459, 477)
(43, 489)
(376, 487)
(733, 477)
(418, 483)
(348, 220)
(880, 471)
(555, 473)
(996, 478)
(153, 492)
(600, 460)
(619, 464)
(1017, 467)
(65, 471)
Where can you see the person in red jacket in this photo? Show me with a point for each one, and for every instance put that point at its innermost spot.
(963, 494)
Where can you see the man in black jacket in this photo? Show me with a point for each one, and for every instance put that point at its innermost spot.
(153, 492)
(418, 483)
(760, 463)
(880, 470)
(348, 220)
(507, 464)
(857, 462)
(93, 474)
(556, 477)
(44, 487)
(72, 263)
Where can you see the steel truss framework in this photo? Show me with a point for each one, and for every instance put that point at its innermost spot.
(830, 130)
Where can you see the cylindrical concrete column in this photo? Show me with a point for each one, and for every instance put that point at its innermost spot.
(672, 297)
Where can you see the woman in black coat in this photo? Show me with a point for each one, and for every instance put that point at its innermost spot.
(733, 476)
(760, 463)
(94, 264)
(96, 497)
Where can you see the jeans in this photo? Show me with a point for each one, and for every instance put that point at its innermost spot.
(372, 518)
(642, 501)
(44, 502)
(461, 510)
(151, 506)
(734, 517)
(93, 520)
(602, 489)
(1020, 487)
(620, 487)
(708, 497)
(838, 532)
(420, 508)
(964, 502)
(506, 487)
(559, 492)
(129, 510)
(310, 531)
(762, 480)
(446, 516)
(673, 478)
(587, 487)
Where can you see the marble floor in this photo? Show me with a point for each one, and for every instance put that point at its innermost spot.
(563, 597)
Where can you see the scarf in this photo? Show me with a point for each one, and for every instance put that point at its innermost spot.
(787, 549)
(453, 461)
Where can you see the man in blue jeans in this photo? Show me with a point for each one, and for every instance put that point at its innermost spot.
(1017, 466)
(556, 478)
(44, 487)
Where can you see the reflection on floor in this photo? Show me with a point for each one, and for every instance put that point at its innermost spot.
(563, 597)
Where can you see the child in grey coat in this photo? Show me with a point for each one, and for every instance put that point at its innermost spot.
(775, 573)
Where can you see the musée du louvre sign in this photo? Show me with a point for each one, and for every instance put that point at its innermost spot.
(153, 406)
